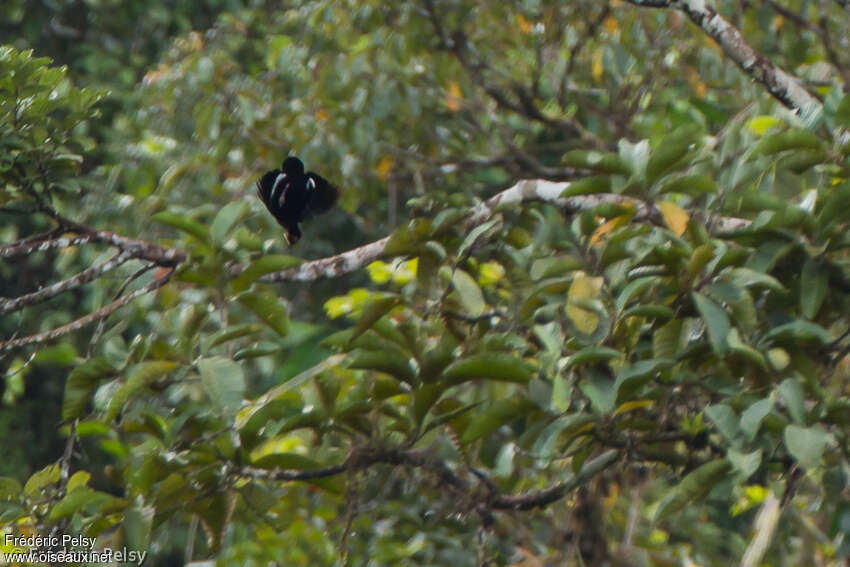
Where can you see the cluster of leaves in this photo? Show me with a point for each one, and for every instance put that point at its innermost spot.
(703, 341)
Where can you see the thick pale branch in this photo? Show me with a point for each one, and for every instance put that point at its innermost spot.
(782, 86)
(525, 190)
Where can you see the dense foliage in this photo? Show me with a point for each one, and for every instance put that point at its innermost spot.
(637, 357)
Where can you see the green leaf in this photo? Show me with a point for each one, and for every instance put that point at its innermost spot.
(602, 162)
(799, 330)
(224, 384)
(795, 399)
(725, 419)
(792, 139)
(745, 463)
(82, 499)
(806, 444)
(468, 292)
(716, 320)
(588, 186)
(47, 475)
(814, 284)
(392, 362)
(842, 112)
(137, 524)
(138, 376)
(372, 311)
(489, 366)
(484, 230)
(81, 384)
(180, 222)
(667, 155)
(10, 489)
(229, 215)
(497, 414)
(232, 333)
(268, 309)
(668, 340)
(753, 416)
(591, 355)
(262, 266)
(600, 389)
(693, 487)
(635, 375)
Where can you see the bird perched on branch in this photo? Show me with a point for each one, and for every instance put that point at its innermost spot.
(292, 196)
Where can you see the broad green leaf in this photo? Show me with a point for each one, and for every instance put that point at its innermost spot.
(264, 265)
(392, 362)
(799, 330)
(468, 293)
(745, 463)
(497, 414)
(630, 377)
(725, 419)
(668, 340)
(716, 320)
(10, 489)
(484, 230)
(224, 383)
(753, 416)
(81, 384)
(82, 499)
(137, 524)
(600, 390)
(181, 222)
(634, 288)
(372, 311)
(591, 355)
(693, 487)
(694, 185)
(268, 309)
(814, 284)
(736, 345)
(47, 475)
(229, 215)
(490, 366)
(842, 112)
(554, 266)
(232, 333)
(138, 376)
(791, 139)
(583, 287)
(667, 155)
(588, 186)
(792, 392)
(602, 162)
(806, 444)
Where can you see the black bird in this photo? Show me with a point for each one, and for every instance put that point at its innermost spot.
(292, 196)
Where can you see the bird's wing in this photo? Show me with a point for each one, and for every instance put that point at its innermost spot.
(321, 195)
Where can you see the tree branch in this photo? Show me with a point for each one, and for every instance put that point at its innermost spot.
(90, 318)
(363, 459)
(525, 190)
(782, 86)
(50, 291)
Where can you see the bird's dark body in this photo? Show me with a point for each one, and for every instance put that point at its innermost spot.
(291, 195)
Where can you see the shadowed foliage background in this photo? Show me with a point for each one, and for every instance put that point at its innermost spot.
(643, 362)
